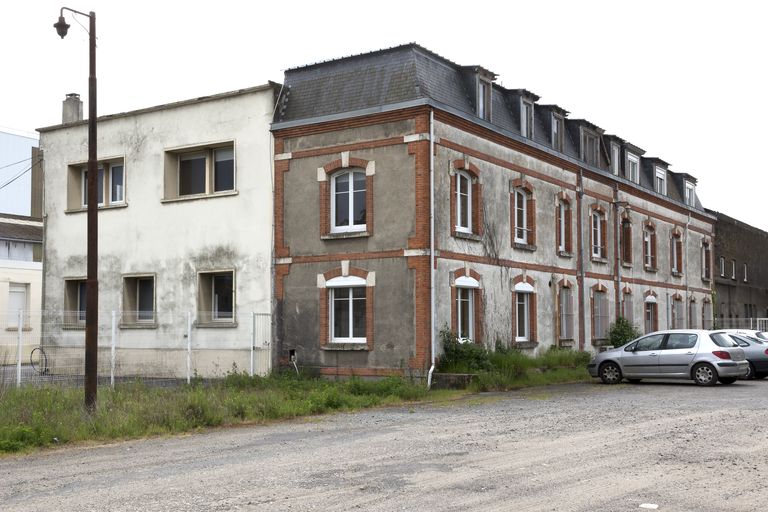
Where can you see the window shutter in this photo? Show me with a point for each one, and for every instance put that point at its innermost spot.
(679, 244)
(530, 214)
(603, 241)
(568, 228)
(560, 221)
(653, 250)
(626, 242)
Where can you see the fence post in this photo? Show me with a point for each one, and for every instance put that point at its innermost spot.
(19, 326)
(253, 338)
(112, 354)
(189, 347)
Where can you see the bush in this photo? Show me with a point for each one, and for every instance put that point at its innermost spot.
(462, 357)
(621, 332)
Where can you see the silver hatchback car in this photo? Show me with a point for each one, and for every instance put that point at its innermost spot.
(703, 356)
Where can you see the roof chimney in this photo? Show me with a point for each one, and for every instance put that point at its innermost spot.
(72, 109)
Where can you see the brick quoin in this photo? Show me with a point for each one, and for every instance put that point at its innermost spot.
(420, 265)
(420, 152)
(281, 270)
(281, 250)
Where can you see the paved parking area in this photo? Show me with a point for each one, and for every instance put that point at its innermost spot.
(584, 447)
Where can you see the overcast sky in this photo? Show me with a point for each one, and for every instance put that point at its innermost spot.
(685, 81)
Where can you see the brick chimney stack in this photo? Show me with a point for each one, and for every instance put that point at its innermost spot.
(72, 109)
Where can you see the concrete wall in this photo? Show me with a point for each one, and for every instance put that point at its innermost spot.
(26, 273)
(172, 240)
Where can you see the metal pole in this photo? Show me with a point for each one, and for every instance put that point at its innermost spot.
(189, 347)
(18, 349)
(253, 339)
(92, 284)
(112, 358)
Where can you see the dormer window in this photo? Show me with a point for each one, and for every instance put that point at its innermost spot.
(690, 194)
(526, 119)
(615, 158)
(633, 168)
(660, 183)
(484, 99)
(589, 147)
(558, 129)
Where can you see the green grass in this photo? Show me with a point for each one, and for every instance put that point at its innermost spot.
(32, 417)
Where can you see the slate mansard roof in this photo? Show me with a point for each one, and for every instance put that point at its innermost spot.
(411, 75)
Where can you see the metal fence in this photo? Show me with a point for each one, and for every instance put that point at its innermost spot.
(39, 347)
(758, 324)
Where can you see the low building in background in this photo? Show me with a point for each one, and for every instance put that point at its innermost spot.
(741, 277)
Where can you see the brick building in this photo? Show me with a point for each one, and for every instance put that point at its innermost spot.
(412, 194)
(741, 280)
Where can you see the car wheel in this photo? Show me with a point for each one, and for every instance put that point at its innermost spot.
(634, 381)
(727, 380)
(704, 374)
(750, 373)
(610, 373)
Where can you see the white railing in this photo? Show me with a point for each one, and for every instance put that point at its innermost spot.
(49, 346)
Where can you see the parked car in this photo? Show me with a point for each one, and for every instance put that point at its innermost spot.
(703, 356)
(756, 352)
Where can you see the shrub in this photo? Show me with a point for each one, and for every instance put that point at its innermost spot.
(621, 332)
(462, 357)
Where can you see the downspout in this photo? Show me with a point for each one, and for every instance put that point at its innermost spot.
(580, 258)
(431, 242)
(686, 270)
(616, 249)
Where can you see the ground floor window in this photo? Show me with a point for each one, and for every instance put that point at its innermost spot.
(18, 300)
(600, 315)
(74, 301)
(216, 296)
(678, 317)
(465, 308)
(138, 299)
(523, 305)
(348, 314)
(651, 316)
(692, 315)
(566, 313)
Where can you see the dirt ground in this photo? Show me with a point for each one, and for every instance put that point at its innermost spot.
(583, 447)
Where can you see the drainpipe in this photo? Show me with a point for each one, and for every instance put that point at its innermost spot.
(580, 258)
(686, 270)
(616, 249)
(431, 242)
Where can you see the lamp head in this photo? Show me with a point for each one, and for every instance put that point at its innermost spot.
(61, 27)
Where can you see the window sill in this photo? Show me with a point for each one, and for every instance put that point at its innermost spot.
(345, 234)
(626, 265)
(216, 325)
(13, 328)
(526, 344)
(650, 269)
(138, 325)
(565, 254)
(677, 274)
(195, 197)
(524, 247)
(101, 208)
(706, 279)
(467, 236)
(345, 346)
(602, 261)
(601, 342)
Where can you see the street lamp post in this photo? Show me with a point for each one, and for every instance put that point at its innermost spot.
(91, 284)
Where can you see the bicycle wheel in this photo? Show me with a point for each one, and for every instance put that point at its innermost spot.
(38, 360)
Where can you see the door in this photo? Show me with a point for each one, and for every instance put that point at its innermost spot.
(679, 351)
(642, 358)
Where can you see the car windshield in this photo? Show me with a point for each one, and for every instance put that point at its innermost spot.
(722, 340)
(762, 335)
(755, 340)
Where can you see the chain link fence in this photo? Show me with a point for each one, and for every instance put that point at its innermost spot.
(38, 347)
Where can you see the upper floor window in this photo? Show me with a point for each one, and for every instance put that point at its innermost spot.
(615, 158)
(110, 185)
(722, 266)
(676, 254)
(633, 168)
(484, 99)
(706, 265)
(558, 132)
(733, 269)
(598, 231)
(348, 205)
(690, 194)
(626, 241)
(521, 216)
(745, 272)
(589, 147)
(649, 247)
(660, 183)
(526, 119)
(200, 171)
(463, 202)
(563, 226)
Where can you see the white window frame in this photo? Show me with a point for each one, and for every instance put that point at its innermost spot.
(351, 227)
(526, 118)
(340, 285)
(463, 175)
(465, 292)
(597, 234)
(84, 186)
(690, 194)
(633, 168)
(484, 92)
(615, 158)
(521, 207)
(705, 248)
(208, 152)
(589, 138)
(650, 312)
(558, 126)
(660, 182)
(523, 294)
(673, 253)
(648, 248)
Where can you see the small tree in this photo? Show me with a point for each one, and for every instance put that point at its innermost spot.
(622, 331)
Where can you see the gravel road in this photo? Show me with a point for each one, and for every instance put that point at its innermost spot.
(584, 447)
